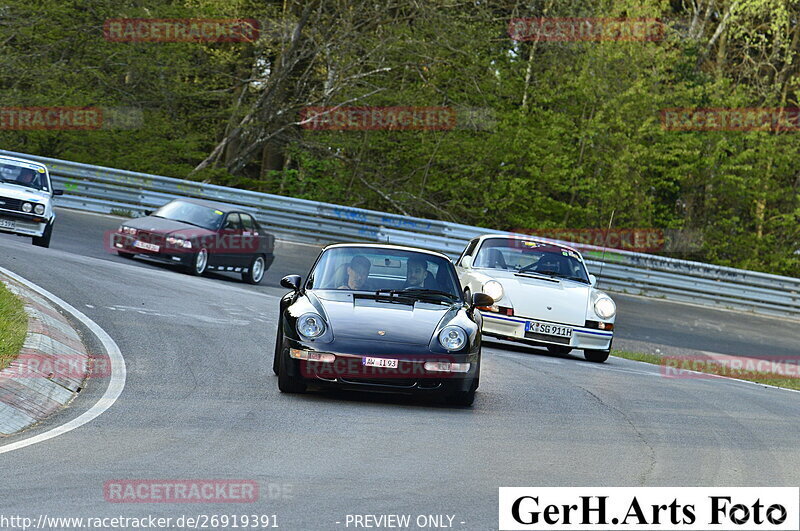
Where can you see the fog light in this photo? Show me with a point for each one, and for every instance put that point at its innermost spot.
(444, 366)
(311, 355)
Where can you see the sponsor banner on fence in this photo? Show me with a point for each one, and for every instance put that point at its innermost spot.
(581, 29)
(650, 508)
(181, 29)
(775, 119)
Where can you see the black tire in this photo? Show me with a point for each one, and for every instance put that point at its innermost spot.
(199, 263)
(558, 349)
(125, 255)
(44, 239)
(596, 356)
(286, 382)
(462, 398)
(278, 348)
(255, 271)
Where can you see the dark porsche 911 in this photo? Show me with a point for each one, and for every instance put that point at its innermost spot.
(200, 236)
(380, 317)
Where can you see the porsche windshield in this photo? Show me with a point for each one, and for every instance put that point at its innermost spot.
(530, 257)
(191, 213)
(383, 269)
(23, 174)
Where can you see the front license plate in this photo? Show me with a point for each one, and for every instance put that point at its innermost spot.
(379, 362)
(8, 224)
(146, 246)
(549, 329)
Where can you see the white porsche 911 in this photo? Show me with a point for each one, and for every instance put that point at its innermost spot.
(543, 294)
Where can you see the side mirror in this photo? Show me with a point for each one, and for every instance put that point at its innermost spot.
(466, 262)
(593, 280)
(481, 299)
(291, 282)
(58, 192)
(147, 212)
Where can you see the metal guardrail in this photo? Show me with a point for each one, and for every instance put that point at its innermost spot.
(107, 190)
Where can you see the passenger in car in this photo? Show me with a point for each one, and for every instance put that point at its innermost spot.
(417, 275)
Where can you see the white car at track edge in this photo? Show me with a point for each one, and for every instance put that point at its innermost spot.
(543, 293)
(26, 199)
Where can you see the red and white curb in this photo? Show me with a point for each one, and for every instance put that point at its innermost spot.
(30, 389)
(52, 366)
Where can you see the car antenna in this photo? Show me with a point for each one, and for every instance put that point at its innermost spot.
(605, 245)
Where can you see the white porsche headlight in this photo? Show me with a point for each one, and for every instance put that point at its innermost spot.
(493, 289)
(452, 337)
(27, 207)
(38, 209)
(310, 325)
(604, 307)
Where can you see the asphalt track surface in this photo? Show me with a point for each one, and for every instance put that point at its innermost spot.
(200, 402)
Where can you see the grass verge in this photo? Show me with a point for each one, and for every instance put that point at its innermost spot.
(13, 326)
(708, 367)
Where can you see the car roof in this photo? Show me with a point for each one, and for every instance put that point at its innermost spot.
(26, 161)
(387, 246)
(223, 207)
(521, 237)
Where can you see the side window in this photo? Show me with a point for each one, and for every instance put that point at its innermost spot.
(469, 250)
(233, 222)
(247, 223)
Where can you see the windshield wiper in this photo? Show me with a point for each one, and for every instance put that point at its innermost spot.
(429, 295)
(549, 274)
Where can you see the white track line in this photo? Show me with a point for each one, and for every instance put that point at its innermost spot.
(115, 385)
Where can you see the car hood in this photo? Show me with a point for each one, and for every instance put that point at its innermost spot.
(353, 318)
(165, 226)
(23, 193)
(557, 300)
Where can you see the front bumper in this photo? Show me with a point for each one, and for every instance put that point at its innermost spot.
(348, 371)
(167, 255)
(24, 224)
(513, 329)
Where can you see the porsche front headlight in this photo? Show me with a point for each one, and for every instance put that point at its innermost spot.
(38, 209)
(311, 325)
(452, 338)
(604, 307)
(493, 289)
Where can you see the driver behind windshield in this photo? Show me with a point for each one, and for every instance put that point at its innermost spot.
(357, 273)
(28, 177)
(549, 263)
